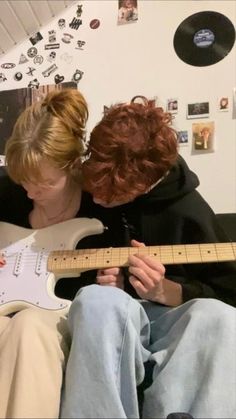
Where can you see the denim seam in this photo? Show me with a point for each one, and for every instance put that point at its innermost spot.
(122, 344)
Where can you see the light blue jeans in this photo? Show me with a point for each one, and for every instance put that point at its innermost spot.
(193, 348)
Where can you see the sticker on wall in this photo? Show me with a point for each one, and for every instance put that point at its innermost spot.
(52, 46)
(67, 58)
(52, 56)
(79, 10)
(34, 84)
(23, 59)
(223, 104)
(32, 52)
(2, 77)
(127, 11)
(203, 134)
(80, 44)
(52, 36)
(198, 110)
(182, 138)
(49, 70)
(77, 76)
(94, 24)
(38, 59)
(61, 23)
(75, 23)
(35, 38)
(30, 71)
(58, 79)
(67, 37)
(7, 66)
(18, 76)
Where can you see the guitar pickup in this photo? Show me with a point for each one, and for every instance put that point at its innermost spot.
(40, 262)
(18, 264)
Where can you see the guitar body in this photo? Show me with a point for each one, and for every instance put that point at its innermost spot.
(25, 280)
(36, 259)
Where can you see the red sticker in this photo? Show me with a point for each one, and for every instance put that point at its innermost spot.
(95, 23)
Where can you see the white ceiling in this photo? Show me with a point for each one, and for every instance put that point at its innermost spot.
(21, 18)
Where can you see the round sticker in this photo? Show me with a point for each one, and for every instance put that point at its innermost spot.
(95, 23)
(18, 76)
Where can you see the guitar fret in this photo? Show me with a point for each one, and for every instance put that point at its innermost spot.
(226, 251)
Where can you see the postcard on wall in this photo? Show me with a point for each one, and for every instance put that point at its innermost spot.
(127, 11)
(198, 110)
(182, 138)
(223, 104)
(203, 137)
(172, 105)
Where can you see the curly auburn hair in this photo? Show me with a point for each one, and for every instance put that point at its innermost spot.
(129, 150)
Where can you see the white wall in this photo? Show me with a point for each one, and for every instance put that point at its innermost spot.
(121, 61)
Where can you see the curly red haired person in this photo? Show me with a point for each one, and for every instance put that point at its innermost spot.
(147, 324)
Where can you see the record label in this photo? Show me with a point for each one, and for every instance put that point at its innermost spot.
(204, 38)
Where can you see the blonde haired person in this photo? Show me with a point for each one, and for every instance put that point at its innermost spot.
(42, 187)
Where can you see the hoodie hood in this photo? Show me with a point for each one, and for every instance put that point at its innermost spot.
(179, 181)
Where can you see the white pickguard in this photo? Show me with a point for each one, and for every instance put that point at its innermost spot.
(24, 280)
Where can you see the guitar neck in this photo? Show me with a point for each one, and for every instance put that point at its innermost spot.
(72, 261)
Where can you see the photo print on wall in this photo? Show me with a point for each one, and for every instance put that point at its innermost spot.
(223, 104)
(198, 110)
(182, 138)
(127, 11)
(203, 137)
(172, 105)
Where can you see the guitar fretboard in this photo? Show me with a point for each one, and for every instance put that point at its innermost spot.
(70, 261)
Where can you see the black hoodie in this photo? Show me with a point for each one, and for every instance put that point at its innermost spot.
(173, 212)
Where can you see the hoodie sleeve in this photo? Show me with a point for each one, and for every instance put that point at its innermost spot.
(206, 280)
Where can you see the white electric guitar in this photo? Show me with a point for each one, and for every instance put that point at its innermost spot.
(37, 259)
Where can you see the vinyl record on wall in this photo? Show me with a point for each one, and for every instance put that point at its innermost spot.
(204, 38)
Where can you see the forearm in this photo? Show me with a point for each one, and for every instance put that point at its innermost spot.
(171, 294)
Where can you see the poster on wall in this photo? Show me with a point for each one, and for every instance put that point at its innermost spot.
(13, 102)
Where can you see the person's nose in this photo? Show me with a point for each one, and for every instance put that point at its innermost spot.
(33, 192)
